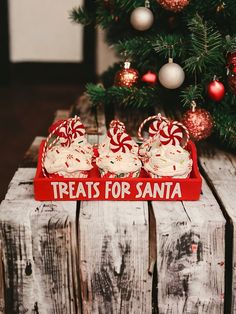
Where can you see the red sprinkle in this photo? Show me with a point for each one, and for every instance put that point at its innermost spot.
(67, 164)
(77, 159)
(58, 151)
(178, 151)
(174, 167)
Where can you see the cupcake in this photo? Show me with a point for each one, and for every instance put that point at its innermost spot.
(117, 158)
(168, 161)
(162, 153)
(67, 151)
(67, 162)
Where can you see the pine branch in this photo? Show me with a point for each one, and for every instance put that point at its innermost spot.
(190, 94)
(96, 93)
(166, 44)
(81, 16)
(225, 126)
(205, 46)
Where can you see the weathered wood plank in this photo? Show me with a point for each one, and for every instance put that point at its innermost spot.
(114, 257)
(190, 255)
(219, 168)
(21, 186)
(40, 252)
(2, 288)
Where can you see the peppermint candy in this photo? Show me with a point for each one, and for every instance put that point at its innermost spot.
(155, 127)
(171, 134)
(76, 128)
(117, 125)
(121, 142)
(70, 131)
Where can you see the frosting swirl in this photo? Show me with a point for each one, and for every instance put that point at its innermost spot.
(66, 160)
(119, 163)
(168, 161)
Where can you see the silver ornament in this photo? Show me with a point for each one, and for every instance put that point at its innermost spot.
(171, 75)
(141, 18)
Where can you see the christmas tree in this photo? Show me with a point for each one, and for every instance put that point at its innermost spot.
(182, 54)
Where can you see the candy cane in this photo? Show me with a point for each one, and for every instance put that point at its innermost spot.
(121, 142)
(158, 117)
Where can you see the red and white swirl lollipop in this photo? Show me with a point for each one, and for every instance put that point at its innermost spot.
(156, 126)
(117, 124)
(171, 134)
(121, 142)
(75, 128)
(112, 132)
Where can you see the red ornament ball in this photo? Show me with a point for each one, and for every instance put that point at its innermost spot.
(126, 77)
(231, 58)
(232, 82)
(173, 5)
(216, 90)
(149, 77)
(199, 122)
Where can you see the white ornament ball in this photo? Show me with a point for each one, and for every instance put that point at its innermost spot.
(141, 18)
(171, 75)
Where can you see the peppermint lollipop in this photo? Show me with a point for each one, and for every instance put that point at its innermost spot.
(75, 128)
(117, 125)
(111, 132)
(171, 134)
(121, 142)
(156, 126)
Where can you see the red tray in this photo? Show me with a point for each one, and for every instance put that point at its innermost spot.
(120, 189)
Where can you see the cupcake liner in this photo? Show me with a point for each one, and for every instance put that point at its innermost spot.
(108, 174)
(155, 176)
(76, 174)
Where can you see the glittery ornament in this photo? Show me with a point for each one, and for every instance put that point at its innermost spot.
(173, 5)
(171, 75)
(126, 77)
(199, 123)
(142, 18)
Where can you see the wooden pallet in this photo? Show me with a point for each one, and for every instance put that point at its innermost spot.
(120, 257)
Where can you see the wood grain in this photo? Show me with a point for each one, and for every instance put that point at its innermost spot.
(219, 168)
(40, 252)
(114, 257)
(190, 255)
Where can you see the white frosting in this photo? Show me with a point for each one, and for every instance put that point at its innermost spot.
(148, 145)
(67, 161)
(119, 163)
(80, 142)
(169, 160)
